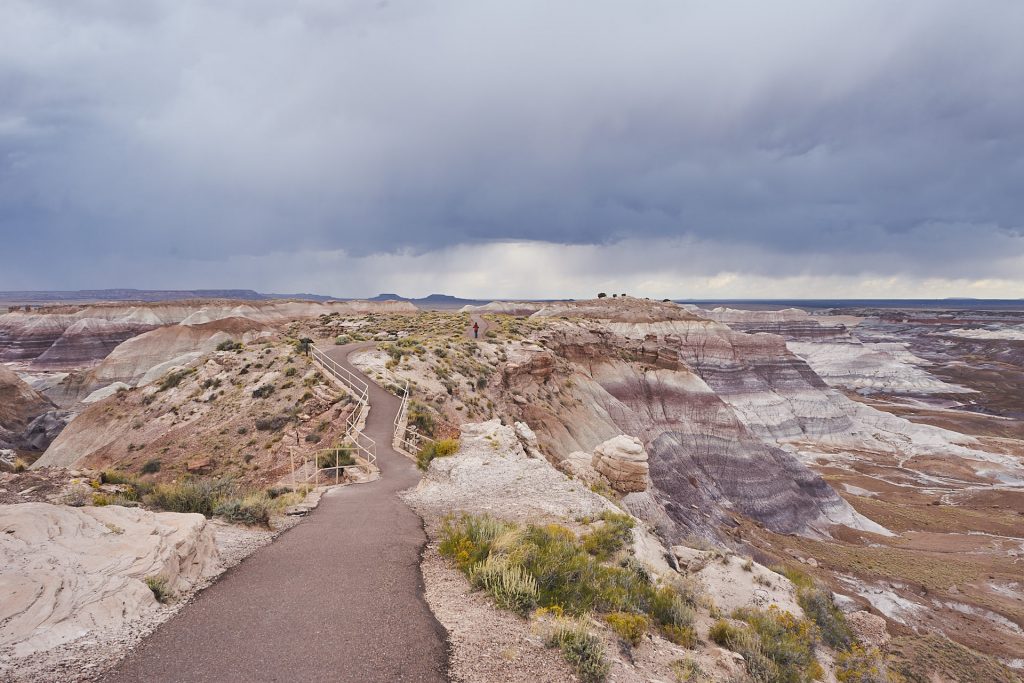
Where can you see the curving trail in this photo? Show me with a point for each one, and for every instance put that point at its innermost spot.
(479, 320)
(338, 597)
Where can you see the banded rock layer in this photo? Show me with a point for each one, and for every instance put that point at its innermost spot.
(704, 460)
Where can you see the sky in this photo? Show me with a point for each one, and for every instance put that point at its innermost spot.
(791, 149)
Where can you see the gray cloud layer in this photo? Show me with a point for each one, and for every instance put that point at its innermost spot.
(834, 138)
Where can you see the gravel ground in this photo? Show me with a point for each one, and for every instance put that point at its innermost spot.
(88, 658)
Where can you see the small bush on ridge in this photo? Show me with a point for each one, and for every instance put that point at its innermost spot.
(629, 626)
(582, 650)
(610, 537)
(151, 466)
(436, 449)
(254, 509)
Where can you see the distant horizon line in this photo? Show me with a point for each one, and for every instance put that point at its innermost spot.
(11, 296)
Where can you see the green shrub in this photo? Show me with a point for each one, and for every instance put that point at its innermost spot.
(421, 418)
(272, 424)
(510, 586)
(335, 457)
(115, 477)
(151, 466)
(583, 651)
(818, 606)
(684, 636)
(229, 345)
(629, 626)
(669, 608)
(313, 437)
(159, 586)
(277, 491)
(436, 449)
(263, 391)
(191, 495)
(253, 509)
(469, 540)
(173, 379)
(610, 537)
(776, 646)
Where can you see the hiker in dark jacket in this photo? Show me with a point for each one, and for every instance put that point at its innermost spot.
(476, 330)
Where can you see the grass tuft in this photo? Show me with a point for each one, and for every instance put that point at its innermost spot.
(253, 509)
(160, 587)
(436, 449)
(583, 650)
(611, 537)
(509, 584)
(629, 626)
(151, 466)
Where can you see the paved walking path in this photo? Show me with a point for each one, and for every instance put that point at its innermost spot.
(338, 597)
(484, 325)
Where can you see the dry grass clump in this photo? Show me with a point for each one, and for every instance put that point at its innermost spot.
(253, 509)
(160, 587)
(629, 626)
(509, 584)
(583, 650)
(174, 378)
(191, 495)
(436, 449)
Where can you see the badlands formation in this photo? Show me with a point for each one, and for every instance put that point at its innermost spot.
(738, 460)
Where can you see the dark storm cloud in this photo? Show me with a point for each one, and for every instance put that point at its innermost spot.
(839, 137)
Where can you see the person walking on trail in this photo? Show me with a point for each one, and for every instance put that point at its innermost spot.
(476, 330)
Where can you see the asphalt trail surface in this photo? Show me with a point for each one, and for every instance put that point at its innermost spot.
(484, 325)
(338, 597)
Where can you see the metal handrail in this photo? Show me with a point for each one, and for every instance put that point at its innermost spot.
(366, 447)
(352, 381)
(406, 439)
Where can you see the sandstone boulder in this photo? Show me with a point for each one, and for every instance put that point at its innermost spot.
(623, 462)
(70, 572)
